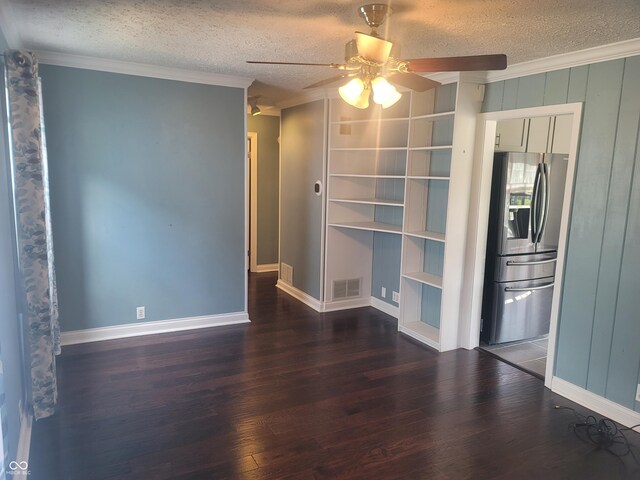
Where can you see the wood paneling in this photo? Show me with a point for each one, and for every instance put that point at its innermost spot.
(556, 87)
(587, 221)
(599, 332)
(613, 243)
(531, 91)
(297, 394)
(493, 97)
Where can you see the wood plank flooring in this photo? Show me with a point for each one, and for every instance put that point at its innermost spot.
(300, 395)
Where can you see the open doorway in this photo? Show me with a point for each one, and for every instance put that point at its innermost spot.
(523, 183)
(263, 157)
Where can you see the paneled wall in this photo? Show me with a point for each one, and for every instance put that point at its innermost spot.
(302, 156)
(599, 328)
(147, 196)
(268, 130)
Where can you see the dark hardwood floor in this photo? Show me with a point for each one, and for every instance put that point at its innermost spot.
(300, 395)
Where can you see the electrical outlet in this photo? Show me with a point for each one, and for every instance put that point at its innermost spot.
(638, 393)
(140, 313)
(396, 297)
(383, 292)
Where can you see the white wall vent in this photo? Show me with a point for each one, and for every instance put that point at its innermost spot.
(349, 288)
(286, 273)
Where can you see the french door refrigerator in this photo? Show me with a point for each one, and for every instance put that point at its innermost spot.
(524, 225)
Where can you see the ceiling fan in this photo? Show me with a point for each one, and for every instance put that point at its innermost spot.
(372, 65)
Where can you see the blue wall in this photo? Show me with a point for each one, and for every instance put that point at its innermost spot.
(302, 148)
(599, 328)
(10, 336)
(147, 193)
(268, 130)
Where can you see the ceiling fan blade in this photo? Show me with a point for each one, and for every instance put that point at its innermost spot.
(458, 64)
(327, 81)
(373, 48)
(332, 65)
(412, 81)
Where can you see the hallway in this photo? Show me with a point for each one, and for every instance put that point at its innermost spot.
(297, 394)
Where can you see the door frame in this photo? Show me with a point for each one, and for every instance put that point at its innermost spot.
(479, 216)
(253, 197)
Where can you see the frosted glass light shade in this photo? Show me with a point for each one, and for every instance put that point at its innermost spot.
(355, 93)
(384, 93)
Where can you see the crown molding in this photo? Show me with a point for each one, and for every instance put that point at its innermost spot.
(603, 53)
(444, 77)
(141, 69)
(305, 97)
(8, 25)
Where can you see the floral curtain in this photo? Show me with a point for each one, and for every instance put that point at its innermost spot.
(33, 225)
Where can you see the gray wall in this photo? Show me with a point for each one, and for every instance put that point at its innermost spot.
(147, 193)
(385, 271)
(10, 337)
(599, 329)
(268, 130)
(302, 147)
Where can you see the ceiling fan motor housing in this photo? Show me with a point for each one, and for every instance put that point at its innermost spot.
(374, 13)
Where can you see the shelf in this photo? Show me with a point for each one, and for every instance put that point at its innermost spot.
(435, 147)
(364, 149)
(425, 278)
(370, 120)
(370, 201)
(370, 226)
(434, 115)
(438, 237)
(361, 175)
(422, 332)
(427, 177)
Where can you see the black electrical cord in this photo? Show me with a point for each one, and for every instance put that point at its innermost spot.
(604, 434)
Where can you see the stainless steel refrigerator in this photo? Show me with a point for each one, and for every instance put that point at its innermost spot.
(524, 224)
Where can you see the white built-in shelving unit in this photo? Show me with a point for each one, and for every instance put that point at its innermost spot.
(404, 171)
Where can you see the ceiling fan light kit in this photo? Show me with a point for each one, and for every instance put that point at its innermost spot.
(371, 64)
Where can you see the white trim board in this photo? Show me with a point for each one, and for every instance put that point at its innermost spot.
(253, 200)
(590, 400)
(141, 69)
(267, 267)
(321, 307)
(299, 295)
(150, 328)
(385, 307)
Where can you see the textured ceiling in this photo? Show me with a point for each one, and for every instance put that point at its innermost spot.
(218, 36)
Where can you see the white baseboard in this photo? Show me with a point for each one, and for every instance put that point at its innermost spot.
(149, 328)
(267, 267)
(601, 405)
(385, 307)
(24, 440)
(300, 295)
(319, 306)
(345, 304)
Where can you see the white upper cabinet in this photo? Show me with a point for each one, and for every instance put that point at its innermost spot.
(511, 135)
(562, 134)
(538, 139)
(534, 135)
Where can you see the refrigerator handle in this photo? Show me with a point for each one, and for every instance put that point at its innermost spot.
(534, 207)
(544, 211)
(527, 289)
